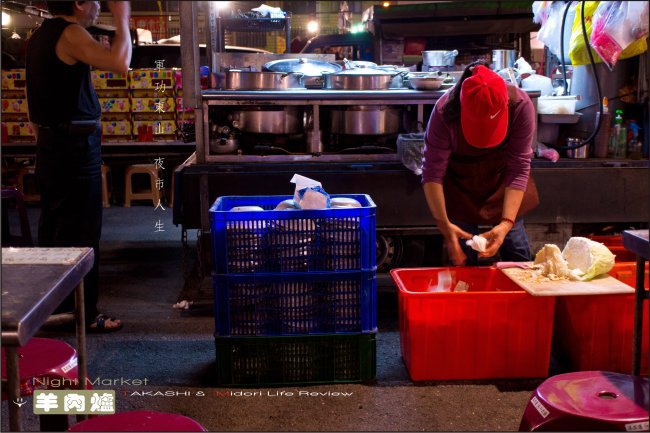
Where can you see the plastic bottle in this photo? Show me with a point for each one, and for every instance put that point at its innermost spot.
(621, 137)
(612, 150)
(634, 146)
(601, 142)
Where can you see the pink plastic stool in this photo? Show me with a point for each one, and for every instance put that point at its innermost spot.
(41, 362)
(139, 420)
(44, 363)
(588, 401)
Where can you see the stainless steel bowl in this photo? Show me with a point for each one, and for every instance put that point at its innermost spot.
(425, 83)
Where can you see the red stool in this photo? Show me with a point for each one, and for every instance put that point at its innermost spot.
(139, 420)
(44, 363)
(588, 401)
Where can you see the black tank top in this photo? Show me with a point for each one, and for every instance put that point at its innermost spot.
(56, 92)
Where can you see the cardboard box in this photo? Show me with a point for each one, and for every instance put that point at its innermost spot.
(14, 106)
(115, 105)
(13, 79)
(152, 105)
(117, 127)
(109, 80)
(150, 78)
(20, 129)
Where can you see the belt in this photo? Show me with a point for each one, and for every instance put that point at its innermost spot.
(73, 127)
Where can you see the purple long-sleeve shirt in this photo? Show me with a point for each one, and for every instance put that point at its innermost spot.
(441, 139)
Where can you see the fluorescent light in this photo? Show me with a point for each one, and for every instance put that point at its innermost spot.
(6, 19)
(222, 5)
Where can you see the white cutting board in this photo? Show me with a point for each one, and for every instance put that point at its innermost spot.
(601, 285)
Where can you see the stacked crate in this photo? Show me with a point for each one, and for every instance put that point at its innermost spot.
(153, 104)
(113, 93)
(294, 292)
(15, 120)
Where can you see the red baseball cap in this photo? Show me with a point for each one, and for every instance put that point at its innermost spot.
(484, 108)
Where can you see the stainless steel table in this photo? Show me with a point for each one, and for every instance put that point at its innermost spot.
(637, 242)
(34, 282)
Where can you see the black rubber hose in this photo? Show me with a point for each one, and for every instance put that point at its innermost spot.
(562, 63)
(593, 68)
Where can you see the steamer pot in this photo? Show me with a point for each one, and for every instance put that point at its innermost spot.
(439, 58)
(268, 120)
(249, 80)
(366, 120)
(359, 79)
(311, 68)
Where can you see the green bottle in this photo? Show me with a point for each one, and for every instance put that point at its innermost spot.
(612, 150)
(621, 137)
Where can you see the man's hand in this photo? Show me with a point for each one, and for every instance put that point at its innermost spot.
(495, 238)
(120, 9)
(452, 233)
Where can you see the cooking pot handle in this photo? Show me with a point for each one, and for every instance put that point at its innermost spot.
(402, 73)
(286, 74)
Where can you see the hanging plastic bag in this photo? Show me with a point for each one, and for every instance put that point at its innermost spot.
(616, 25)
(577, 50)
(549, 34)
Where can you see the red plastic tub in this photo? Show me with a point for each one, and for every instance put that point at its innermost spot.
(494, 330)
(595, 332)
(615, 245)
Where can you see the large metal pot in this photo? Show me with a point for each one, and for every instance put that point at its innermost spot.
(268, 120)
(249, 80)
(359, 79)
(439, 58)
(312, 69)
(366, 120)
(399, 74)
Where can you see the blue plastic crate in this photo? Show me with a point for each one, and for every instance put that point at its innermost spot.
(309, 240)
(295, 303)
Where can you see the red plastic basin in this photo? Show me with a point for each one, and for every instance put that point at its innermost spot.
(494, 330)
(595, 332)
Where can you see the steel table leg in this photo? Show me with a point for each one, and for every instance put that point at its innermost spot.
(13, 383)
(640, 296)
(82, 368)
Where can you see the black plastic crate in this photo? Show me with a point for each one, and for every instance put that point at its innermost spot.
(334, 358)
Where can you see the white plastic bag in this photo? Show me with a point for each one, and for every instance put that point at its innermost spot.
(616, 25)
(550, 33)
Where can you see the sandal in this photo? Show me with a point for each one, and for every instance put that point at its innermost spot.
(100, 325)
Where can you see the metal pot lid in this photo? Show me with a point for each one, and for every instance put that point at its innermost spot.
(365, 71)
(309, 67)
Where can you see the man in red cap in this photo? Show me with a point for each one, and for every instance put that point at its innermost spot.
(476, 167)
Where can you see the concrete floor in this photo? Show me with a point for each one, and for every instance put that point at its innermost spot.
(142, 276)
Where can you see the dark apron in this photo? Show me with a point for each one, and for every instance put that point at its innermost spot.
(474, 185)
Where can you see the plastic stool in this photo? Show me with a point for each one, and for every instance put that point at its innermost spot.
(23, 172)
(139, 421)
(40, 361)
(588, 401)
(106, 171)
(25, 238)
(152, 194)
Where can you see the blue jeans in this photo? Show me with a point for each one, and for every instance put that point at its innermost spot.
(515, 247)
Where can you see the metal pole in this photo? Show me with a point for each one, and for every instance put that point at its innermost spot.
(80, 320)
(13, 382)
(190, 54)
